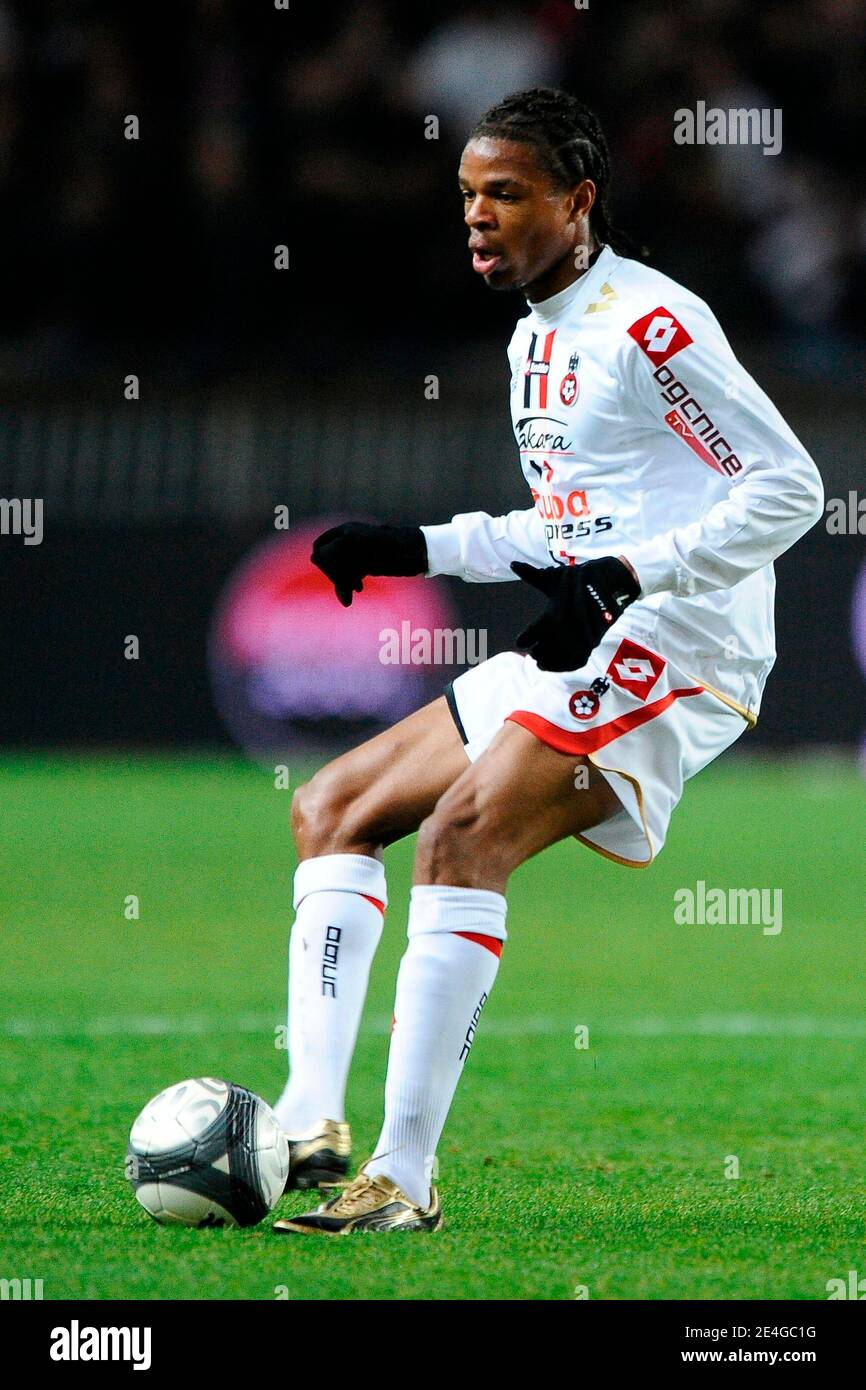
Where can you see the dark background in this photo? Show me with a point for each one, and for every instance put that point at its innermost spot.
(305, 387)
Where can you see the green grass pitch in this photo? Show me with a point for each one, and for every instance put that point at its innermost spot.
(602, 1167)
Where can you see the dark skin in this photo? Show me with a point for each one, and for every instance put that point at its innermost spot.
(514, 208)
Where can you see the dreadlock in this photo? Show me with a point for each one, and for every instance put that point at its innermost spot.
(571, 147)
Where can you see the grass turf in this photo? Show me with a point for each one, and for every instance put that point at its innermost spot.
(560, 1167)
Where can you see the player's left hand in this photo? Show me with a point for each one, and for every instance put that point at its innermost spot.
(348, 553)
(583, 601)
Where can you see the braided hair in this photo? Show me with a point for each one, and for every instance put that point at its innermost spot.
(571, 146)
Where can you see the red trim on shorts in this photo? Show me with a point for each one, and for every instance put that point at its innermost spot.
(565, 742)
(492, 943)
(375, 902)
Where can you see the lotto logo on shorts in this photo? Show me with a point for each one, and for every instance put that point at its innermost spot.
(635, 669)
(660, 335)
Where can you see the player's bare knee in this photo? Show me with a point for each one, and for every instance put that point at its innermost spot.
(456, 847)
(303, 815)
(318, 807)
(437, 854)
(331, 815)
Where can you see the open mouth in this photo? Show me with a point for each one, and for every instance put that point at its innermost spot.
(483, 261)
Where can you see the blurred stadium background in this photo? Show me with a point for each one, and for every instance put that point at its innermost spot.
(305, 388)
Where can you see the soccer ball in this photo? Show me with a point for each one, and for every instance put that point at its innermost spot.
(207, 1153)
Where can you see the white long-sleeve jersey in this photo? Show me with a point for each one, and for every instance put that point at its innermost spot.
(640, 434)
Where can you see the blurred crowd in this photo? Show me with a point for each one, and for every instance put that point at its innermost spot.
(305, 126)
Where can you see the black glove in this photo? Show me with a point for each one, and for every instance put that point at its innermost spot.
(583, 602)
(347, 553)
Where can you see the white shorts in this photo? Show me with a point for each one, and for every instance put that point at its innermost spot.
(645, 724)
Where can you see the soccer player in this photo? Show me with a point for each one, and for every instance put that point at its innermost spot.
(663, 483)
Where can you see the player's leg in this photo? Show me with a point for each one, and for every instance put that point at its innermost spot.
(382, 790)
(341, 819)
(518, 798)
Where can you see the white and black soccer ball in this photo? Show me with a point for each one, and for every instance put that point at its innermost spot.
(207, 1153)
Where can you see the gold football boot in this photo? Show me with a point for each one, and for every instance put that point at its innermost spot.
(320, 1156)
(365, 1204)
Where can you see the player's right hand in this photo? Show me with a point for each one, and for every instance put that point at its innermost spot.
(357, 548)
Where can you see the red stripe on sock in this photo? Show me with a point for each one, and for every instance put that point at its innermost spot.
(492, 943)
(375, 902)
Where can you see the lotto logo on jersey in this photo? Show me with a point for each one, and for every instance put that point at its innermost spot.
(635, 669)
(536, 369)
(660, 335)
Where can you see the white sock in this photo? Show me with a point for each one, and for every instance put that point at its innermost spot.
(442, 986)
(333, 941)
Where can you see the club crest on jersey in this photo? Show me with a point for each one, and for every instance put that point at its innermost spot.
(660, 335)
(569, 387)
(635, 669)
(583, 704)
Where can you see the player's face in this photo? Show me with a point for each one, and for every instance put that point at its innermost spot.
(523, 231)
